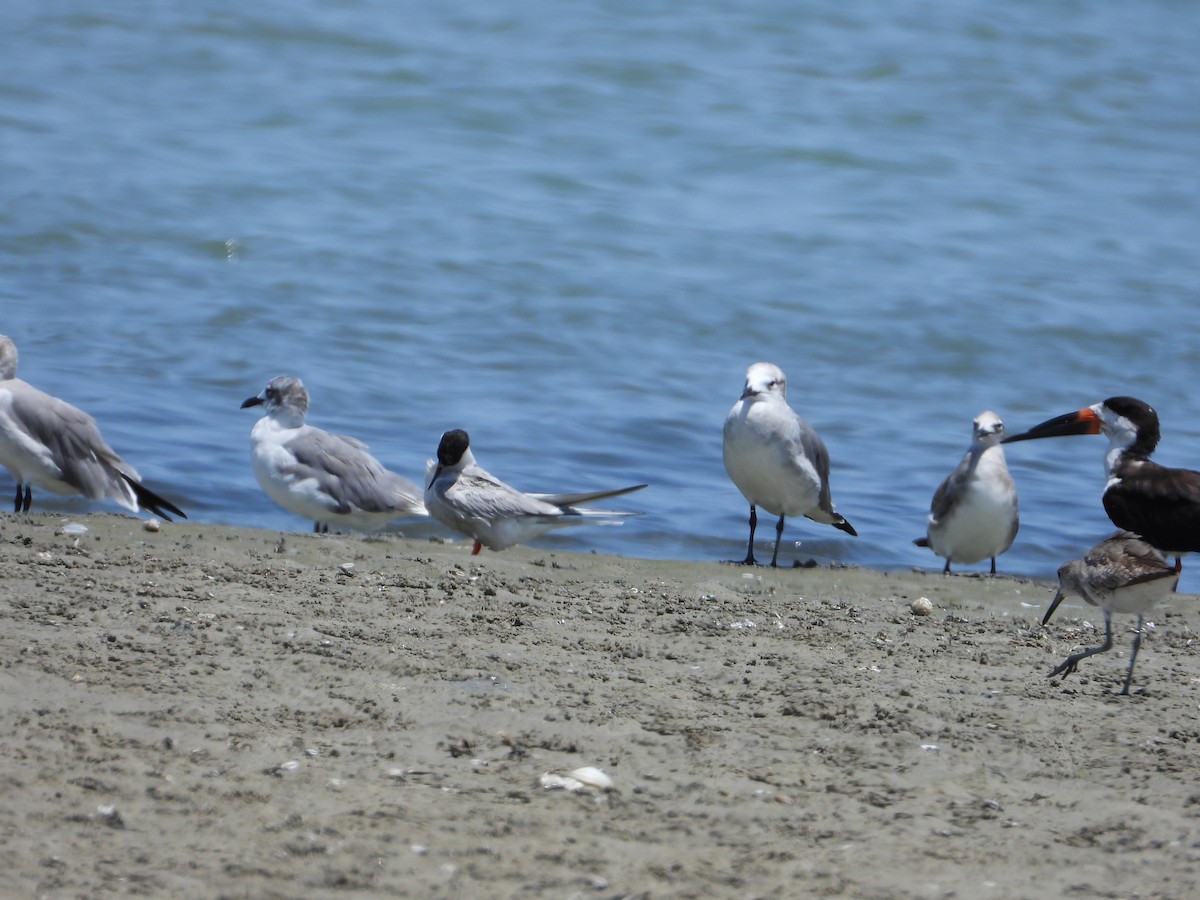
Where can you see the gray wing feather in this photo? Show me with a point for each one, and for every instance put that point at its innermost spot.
(74, 442)
(479, 495)
(947, 491)
(348, 474)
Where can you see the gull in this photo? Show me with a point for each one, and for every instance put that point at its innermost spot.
(328, 478)
(1121, 574)
(1159, 503)
(465, 498)
(974, 511)
(47, 442)
(775, 458)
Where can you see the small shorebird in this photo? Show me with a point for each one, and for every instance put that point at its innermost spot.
(775, 458)
(328, 478)
(48, 442)
(974, 511)
(1121, 574)
(465, 498)
(1159, 503)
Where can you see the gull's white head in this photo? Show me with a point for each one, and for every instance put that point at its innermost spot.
(764, 378)
(988, 428)
(8, 358)
(283, 396)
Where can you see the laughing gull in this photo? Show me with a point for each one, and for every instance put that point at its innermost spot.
(48, 442)
(775, 458)
(974, 511)
(328, 478)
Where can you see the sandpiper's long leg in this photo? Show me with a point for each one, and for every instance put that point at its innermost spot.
(1137, 642)
(1071, 663)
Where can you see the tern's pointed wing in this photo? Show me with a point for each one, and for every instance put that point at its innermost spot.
(578, 499)
(479, 495)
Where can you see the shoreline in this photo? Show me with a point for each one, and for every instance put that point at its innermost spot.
(220, 711)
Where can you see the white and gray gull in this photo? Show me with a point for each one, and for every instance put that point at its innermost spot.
(47, 442)
(775, 458)
(974, 511)
(328, 478)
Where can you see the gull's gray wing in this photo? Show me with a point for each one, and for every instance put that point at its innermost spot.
(350, 475)
(71, 440)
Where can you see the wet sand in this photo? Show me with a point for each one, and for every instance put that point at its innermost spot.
(213, 712)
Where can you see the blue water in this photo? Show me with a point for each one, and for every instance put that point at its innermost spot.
(570, 228)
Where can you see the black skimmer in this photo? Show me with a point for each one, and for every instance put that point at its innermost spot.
(775, 458)
(1121, 574)
(974, 511)
(48, 442)
(463, 496)
(1159, 503)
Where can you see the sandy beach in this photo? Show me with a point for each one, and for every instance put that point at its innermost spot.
(212, 712)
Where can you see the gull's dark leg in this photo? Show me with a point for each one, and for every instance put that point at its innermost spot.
(1071, 663)
(946, 568)
(778, 536)
(749, 560)
(1137, 642)
(28, 497)
(993, 565)
(17, 502)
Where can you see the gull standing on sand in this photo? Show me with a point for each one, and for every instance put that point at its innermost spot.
(974, 511)
(48, 442)
(465, 498)
(328, 478)
(1121, 574)
(775, 458)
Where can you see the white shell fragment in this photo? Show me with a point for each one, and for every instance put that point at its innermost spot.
(922, 606)
(581, 779)
(74, 528)
(152, 525)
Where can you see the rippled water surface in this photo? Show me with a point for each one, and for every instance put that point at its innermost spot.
(570, 230)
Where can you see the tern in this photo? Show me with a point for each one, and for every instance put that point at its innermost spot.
(328, 478)
(775, 458)
(1160, 504)
(974, 511)
(1121, 574)
(47, 442)
(469, 500)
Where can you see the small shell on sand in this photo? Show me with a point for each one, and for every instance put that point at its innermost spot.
(152, 525)
(580, 779)
(922, 606)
